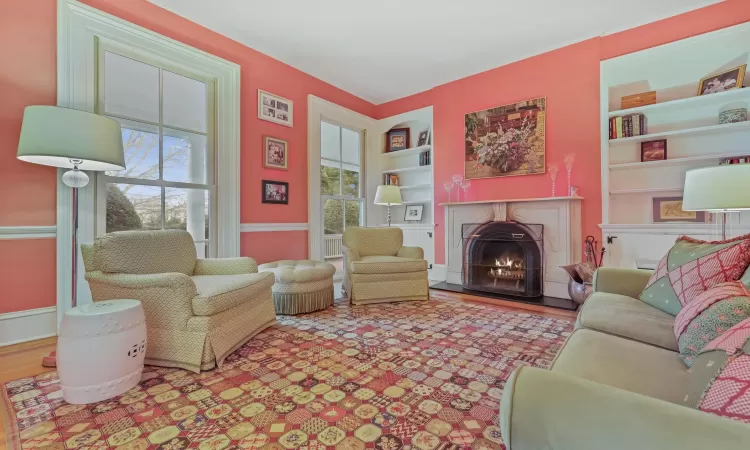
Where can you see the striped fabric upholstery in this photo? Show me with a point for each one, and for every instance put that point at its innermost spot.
(301, 286)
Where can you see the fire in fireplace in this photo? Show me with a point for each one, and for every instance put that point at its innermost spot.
(504, 258)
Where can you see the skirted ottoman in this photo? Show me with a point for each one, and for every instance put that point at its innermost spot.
(301, 286)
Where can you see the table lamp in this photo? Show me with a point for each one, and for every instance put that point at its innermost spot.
(76, 140)
(718, 189)
(388, 196)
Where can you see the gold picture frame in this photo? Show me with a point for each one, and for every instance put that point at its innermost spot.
(275, 153)
(724, 81)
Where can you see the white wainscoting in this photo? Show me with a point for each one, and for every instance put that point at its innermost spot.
(28, 232)
(29, 325)
(258, 227)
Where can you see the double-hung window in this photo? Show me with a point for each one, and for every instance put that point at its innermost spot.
(168, 122)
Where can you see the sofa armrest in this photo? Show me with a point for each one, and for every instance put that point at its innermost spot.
(410, 252)
(350, 255)
(630, 282)
(546, 410)
(225, 266)
(166, 297)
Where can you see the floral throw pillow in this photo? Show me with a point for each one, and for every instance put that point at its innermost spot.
(692, 266)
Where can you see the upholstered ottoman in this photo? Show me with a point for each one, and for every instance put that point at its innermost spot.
(301, 286)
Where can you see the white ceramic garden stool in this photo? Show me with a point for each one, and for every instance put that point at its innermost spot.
(100, 350)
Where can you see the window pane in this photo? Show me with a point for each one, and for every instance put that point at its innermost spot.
(330, 184)
(330, 141)
(350, 146)
(333, 217)
(353, 213)
(131, 88)
(184, 102)
(187, 209)
(133, 207)
(351, 183)
(141, 145)
(184, 157)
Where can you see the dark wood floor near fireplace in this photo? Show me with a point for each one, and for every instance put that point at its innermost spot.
(549, 302)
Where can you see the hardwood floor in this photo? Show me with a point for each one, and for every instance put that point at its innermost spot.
(536, 309)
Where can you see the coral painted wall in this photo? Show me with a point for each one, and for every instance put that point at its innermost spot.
(569, 78)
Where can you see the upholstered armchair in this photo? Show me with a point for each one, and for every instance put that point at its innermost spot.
(379, 269)
(197, 310)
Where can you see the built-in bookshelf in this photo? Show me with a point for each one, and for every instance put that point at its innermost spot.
(688, 122)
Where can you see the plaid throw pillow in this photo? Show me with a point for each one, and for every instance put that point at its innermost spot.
(692, 266)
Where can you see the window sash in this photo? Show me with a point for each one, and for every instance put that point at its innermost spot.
(342, 165)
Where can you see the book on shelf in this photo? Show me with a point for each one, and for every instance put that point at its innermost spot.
(425, 158)
(628, 126)
(738, 160)
(390, 179)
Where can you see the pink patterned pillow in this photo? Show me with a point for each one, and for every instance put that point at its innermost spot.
(729, 393)
(704, 300)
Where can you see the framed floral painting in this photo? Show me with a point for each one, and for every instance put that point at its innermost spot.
(506, 141)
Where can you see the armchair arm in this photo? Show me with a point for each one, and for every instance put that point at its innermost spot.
(628, 282)
(166, 297)
(411, 252)
(350, 255)
(546, 410)
(225, 266)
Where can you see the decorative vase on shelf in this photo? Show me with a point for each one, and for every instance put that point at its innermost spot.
(465, 185)
(448, 186)
(553, 170)
(457, 180)
(570, 158)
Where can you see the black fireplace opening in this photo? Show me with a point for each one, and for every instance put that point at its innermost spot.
(504, 258)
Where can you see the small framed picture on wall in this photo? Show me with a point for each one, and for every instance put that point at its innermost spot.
(275, 109)
(276, 192)
(275, 153)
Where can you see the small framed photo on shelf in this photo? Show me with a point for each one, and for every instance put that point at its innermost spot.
(275, 109)
(725, 81)
(275, 153)
(276, 192)
(398, 139)
(654, 150)
(424, 137)
(669, 209)
(413, 213)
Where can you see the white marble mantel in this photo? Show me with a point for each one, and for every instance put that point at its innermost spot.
(561, 217)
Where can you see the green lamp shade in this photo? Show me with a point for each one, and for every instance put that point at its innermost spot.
(388, 195)
(54, 136)
(717, 188)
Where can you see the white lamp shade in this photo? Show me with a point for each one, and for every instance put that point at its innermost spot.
(718, 188)
(388, 195)
(52, 136)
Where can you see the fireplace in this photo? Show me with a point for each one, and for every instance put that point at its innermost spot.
(504, 258)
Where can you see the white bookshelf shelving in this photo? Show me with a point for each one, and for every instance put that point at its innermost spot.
(725, 128)
(643, 191)
(407, 152)
(409, 169)
(686, 103)
(675, 161)
(416, 186)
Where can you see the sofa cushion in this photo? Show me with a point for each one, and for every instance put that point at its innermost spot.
(690, 267)
(625, 364)
(628, 317)
(374, 241)
(387, 264)
(217, 293)
(146, 252)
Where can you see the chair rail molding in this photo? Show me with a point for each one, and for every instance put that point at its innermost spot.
(79, 29)
(266, 227)
(28, 325)
(28, 232)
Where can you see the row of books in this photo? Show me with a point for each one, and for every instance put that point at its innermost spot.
(739, 160)
(390, 179)
(628, 126)
(425, 158)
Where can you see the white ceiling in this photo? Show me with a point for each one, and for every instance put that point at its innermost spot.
(388, 49)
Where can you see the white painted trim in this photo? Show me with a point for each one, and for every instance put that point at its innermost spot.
(80, 27)
(256, 227)
(677, 229)
(29, 325)
(28, 232)
(439, 272)
(318, 109)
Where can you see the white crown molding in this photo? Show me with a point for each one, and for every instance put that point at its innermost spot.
(265, 227)
(29, 325)
(28, 232)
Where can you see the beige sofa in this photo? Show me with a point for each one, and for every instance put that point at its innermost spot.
(617, 384)
(198, 311)
(378, 268)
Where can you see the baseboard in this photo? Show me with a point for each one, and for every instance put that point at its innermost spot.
(29, 325)
(438, 272)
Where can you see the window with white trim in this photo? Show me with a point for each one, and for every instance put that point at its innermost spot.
(167, 123)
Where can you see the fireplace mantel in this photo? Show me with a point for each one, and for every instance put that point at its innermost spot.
(561, 217)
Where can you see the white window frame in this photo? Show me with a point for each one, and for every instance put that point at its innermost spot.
(79, 30)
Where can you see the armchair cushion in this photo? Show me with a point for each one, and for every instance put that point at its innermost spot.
(385, 241)
(411, 252)
(217, 293)
(386, 264)
(143, 252)
(225, 266)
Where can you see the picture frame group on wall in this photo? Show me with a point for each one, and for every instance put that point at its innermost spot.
(724, 81)
(275, 153)
(275, 109)
(275, 192)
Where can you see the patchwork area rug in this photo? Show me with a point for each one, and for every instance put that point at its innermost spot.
(418, 375)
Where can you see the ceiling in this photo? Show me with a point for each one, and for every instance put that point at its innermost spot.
(388, 49)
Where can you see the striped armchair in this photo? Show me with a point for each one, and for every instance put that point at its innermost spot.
(198, 311)
(379, 269)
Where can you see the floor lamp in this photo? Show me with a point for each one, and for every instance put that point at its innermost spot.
(388, 196)
(718, 189)
(75, 140)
